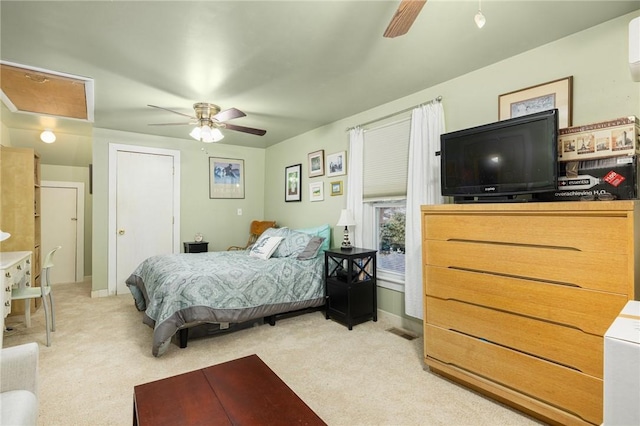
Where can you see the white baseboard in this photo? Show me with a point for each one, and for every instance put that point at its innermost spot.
(99, 293)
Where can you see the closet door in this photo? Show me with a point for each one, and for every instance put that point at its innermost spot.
(145, 209)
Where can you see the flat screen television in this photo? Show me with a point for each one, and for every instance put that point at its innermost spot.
(501, 161)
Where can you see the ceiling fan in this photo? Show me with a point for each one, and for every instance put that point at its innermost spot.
(208, 120)
(407, 12)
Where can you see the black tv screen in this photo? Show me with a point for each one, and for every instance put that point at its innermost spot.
(503, 159)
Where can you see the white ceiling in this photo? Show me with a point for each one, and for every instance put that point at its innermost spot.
(291, 66)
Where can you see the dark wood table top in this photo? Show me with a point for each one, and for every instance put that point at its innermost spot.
(244, 391)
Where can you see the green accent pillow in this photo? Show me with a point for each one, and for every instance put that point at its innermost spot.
(323, 231)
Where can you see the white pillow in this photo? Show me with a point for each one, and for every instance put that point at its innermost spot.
(265, 246)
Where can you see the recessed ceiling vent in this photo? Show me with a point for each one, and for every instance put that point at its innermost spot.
(37, 91)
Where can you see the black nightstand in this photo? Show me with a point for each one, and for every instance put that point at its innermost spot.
(350, 285)
(196, 247)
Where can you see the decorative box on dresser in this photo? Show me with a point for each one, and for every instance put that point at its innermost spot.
(20, 201)
(518, 297)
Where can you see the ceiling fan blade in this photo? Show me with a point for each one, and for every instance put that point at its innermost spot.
(170, 124)
(251, 130)
(170, 110)
(229, 114)
(403, 19)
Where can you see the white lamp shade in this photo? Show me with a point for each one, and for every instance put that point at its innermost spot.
(4, 236)
(346, 218)
(195, 133)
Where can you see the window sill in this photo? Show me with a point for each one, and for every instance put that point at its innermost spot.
(391, 283)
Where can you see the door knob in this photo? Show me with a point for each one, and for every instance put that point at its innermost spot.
(120, 231)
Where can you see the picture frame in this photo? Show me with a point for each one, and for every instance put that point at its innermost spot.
(226, 177)
(336, 188)
(316, 163)
(337, 164)
(293, 183)
(316, 191)
(542, 97)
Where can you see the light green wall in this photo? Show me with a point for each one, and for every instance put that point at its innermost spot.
(75, 174)
(216, 219)
(603, 89)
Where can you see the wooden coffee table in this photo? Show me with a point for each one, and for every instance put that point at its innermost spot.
(240, 392)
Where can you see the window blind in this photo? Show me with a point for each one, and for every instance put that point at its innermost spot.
(386, 159)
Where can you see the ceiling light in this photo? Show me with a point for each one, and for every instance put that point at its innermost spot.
(479, 18)
(206, 133)
(47, 136)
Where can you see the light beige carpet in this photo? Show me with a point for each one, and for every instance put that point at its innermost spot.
(368, 376)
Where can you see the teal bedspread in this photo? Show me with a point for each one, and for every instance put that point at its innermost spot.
(178, 290)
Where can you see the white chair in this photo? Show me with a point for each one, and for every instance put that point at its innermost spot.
(27, 293)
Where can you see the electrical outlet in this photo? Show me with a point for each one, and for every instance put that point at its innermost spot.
(239, 212)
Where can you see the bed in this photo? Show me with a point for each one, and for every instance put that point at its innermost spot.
(280, 274)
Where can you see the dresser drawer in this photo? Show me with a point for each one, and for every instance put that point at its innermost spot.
(589, 311)
(562, 345)
(576, 392)
(593, 270)
(583, 231)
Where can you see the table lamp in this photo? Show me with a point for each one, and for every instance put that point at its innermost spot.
(346, 220)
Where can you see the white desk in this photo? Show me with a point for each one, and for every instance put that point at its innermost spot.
(15, 270)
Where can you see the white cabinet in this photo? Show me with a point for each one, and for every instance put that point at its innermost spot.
(15, 268)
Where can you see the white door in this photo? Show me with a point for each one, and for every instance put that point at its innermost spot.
(62, 224)
(145, 210)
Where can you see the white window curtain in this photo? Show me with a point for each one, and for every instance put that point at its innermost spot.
(355, 182)
(423, 187)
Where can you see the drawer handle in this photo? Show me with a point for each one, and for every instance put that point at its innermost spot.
(7, 303)
(28, 261)
(28, 273)
(7, 274)
(8, 288)
(19, 268)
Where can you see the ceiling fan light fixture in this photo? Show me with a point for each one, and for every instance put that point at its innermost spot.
(206, 134)
(47, 136)
(479, 18)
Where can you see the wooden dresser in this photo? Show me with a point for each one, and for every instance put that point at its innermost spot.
(518, 298)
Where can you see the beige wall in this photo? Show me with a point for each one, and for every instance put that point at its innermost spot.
(603, 89)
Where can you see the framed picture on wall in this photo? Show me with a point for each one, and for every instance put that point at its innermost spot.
(316, 191)
(316, 163)
(336, 188)
(337, 164)
(226, 177)
(293, 183)
(543, 97)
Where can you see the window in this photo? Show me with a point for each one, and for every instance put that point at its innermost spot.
(386, 157)
(389, 225)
